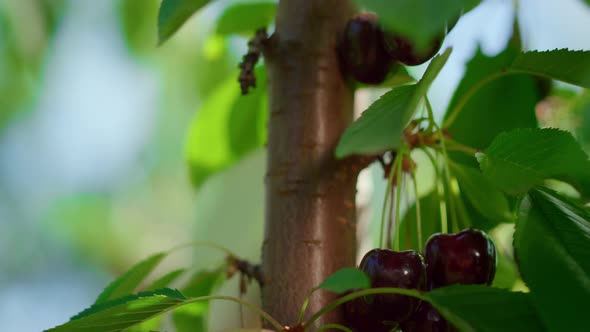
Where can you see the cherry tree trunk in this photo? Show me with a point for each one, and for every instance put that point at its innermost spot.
(310, 206)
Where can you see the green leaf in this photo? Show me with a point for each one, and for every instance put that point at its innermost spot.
(137, 23)
(552, 243)
(345, 280)
(246, 17)
(123, 313)
(565, 65)
(227, 127)
(381, 126)
(477, 113)
(128, 282)
(165, 280)
(522, 158)
(418, 20)
(174, 13)
(194, 317)
(485, 309)
(480, 192)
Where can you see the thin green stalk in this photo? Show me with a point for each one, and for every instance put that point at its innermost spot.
(398, 194)
(448, 191)
(439, 191)
(387, 191)
(418, 212)
(454, 145)
(370, 291)
(304, 306)
(465, 98)
(247, 304)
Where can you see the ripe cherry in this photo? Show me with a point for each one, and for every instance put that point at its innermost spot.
(362, 52)
(426, 319)
(403, 50)
(361, 318)
(468, 257)
(386, 268)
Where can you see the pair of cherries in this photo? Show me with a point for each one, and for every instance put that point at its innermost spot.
(467, 257)
(368, 52)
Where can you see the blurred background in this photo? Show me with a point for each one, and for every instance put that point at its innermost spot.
(95, 125)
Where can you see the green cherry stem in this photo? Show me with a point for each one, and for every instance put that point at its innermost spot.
(465, 98)
(439, 191)
(266, 316)
(398, 194)
(305, 304)
(385, 200)
(418, 212)
(448, 188)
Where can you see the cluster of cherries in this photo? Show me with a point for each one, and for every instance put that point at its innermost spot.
(467, 257)
(369, 53)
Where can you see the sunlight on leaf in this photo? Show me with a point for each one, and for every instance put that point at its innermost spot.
(174, 13)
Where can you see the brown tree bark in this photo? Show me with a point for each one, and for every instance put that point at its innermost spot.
(310, 206)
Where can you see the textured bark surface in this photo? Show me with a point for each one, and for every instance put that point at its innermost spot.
(310, 209)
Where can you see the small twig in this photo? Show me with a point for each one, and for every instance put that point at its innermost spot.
(256, 46)
(247, 270)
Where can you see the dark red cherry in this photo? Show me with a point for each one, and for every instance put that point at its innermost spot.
(426, 319)
(404, 51)
(361, 318)
(468, 257)
(386, 268)
(362, 52)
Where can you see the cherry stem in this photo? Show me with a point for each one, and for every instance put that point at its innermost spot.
(247, 304)
(418, 212)
(333, 326)
(398, 191)
(465, 98)
(387, 191)
(448, 189)
(371, 291)
(305, 304)
(439, 192)
(454, 145)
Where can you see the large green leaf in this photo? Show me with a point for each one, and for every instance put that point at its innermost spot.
(123, 313)
(174, 13)
(565, 65)
(519, 159)
(419, 20)
(344, 280)
(484, 309)
(381, 126)
(128, 282)
(552, 243)
(478, 112)
(246, 17)
(226, 128)
(482, 194)
(194, 317)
